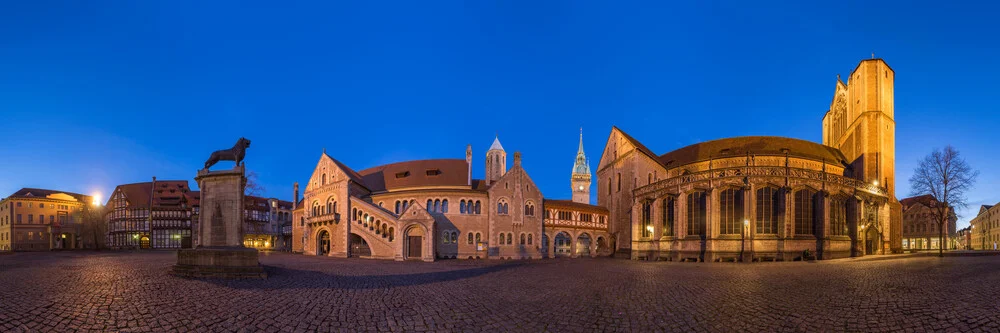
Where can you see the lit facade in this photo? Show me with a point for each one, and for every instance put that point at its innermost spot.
(151, 215)
(921, 228)
(263, 222)
(984, 233)
(40, 220)
(768, 198)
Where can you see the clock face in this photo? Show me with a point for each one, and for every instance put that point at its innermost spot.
(581, 187)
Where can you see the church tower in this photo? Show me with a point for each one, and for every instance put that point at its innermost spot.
(860, 123)
(496, 162)
(580, 179)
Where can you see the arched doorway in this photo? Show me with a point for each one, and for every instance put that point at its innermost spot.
(872, 241)
(545, 246)
(583, 245)
(562, 245)
(359, 247)
(413, 242)
(602, 246)
(323, 245)
(144, 242)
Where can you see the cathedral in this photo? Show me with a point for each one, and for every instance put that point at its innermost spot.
(756, 198)
(763, 198)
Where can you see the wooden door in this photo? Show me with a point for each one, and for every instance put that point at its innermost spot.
(415, 245)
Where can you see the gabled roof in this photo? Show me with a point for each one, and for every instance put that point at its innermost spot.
(42, 193)
(167, 193)
(420, 173)
(351, 174)
(638, 145)
(926, 200)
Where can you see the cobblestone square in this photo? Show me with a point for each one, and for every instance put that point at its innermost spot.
(110, 291)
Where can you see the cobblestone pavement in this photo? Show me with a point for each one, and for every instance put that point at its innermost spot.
(133, 292)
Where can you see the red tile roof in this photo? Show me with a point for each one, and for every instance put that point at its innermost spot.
(42, 193)
(926, 199)
(754, 145)
(167, 193)
(420, 173)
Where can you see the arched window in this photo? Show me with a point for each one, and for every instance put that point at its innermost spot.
(502, 239)
(510, 238)
(478, 211)
(668, 216)
(804, 211)
(437, 205)
(329, 207)
(334, 211)
(365, 220)
(649, 179)
(354, 214)
(454, 237)
(470, 238)
(324, 179)
(767, 210)
(461, 207)
(619, 182)
(315, 211)
(376, 227)
(397, 207)
(385, 231)
(523, 239)
(479, 237)
(731, 212)
(529, 239)
(696, 213)
(647, 217)
(405, 204)
(838, 216)
(430, 205)
(444, 206)
(445, 237)
(391, 234)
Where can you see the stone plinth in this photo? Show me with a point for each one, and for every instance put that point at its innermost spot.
(220, 252)
(222, 262)
(221, 218)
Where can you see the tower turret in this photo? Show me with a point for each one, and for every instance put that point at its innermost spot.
(580, 179)
(496, 162)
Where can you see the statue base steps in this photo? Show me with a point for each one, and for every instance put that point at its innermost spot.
(219, 262)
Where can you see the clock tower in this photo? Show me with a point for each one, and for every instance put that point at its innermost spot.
(580, 179)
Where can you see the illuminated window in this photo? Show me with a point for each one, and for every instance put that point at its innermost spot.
(731, 212)
(804, 211)
(767, 210)
(668, 217)
(696, 213)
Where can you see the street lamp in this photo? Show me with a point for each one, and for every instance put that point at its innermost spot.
(97, 199)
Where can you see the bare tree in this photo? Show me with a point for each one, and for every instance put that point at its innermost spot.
(253, 187)
(945, 176)
(94, 226)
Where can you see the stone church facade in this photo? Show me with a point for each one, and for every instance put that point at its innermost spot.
(434, 209)
(763, 198)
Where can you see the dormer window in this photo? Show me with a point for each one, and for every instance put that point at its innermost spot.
(403, 174)
(433, 172)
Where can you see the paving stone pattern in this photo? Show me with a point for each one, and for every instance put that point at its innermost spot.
(132, 292)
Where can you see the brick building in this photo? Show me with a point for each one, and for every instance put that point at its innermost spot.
(984, 233)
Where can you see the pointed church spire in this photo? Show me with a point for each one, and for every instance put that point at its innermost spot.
(496, 144)
(581, 167)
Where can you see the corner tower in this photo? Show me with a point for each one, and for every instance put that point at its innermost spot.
(496, 162)
(580, 179)
(861, 123)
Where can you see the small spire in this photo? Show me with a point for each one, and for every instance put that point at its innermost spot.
(873, 55)
(324, 150)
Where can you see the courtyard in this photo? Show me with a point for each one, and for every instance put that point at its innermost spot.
(118, 291)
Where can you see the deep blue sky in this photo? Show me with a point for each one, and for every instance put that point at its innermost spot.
(95, 94)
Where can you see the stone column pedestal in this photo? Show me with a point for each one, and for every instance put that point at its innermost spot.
(220, 252)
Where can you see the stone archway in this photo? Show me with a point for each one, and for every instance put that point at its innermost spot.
(562, 244)
(872, 240)
(359, 246)
(323, 243)
(583, 245)
(413, 243)
(603, 248)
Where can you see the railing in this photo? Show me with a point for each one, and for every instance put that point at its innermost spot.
(335, 218)
(761, 171)
(575, 224)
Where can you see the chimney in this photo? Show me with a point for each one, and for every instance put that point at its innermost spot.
(517, 159)
(295, 203)
(468, 160)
